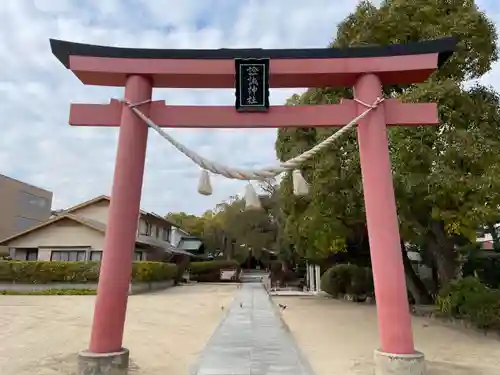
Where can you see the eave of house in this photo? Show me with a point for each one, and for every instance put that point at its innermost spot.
(100, 227)
(92, 224)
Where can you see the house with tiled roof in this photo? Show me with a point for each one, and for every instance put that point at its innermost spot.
(77, 234)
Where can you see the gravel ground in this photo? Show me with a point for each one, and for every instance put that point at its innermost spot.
(339, 337)
(164, 331)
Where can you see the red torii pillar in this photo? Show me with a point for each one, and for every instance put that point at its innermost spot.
(364, 68)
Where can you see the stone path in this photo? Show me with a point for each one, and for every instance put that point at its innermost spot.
(252, 340)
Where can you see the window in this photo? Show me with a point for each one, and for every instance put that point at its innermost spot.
(158, 231)
(146, 228)
(165, 235)
(32, 255)
(68, 255)
(96, 256)
(26, 254)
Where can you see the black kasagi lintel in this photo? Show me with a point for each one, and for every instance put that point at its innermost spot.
(252, 85)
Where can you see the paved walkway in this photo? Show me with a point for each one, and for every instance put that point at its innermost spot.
(252, 340)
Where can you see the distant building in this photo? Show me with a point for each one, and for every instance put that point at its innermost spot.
(191, 244)
(485, 239)
(22, 206)
(77, 234)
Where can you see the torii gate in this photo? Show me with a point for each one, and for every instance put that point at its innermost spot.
(364, 68)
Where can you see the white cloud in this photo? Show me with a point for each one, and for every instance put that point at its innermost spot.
(38, 146)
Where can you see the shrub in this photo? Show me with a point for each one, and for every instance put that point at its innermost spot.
(361, 282)
(153, 271)
(209, 266)
(209, 271)
(347, 279)
(470, 299)
(487, 269)
(452, 297)
(50, 292)
(77, 272)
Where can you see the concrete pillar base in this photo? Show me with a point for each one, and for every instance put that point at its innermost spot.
(399, 364)
(103, 363)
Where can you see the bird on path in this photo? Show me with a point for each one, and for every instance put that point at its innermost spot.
(282, 307)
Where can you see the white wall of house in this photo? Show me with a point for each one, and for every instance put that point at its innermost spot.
(65, 232)
(176, 234)
(83, 242)
(159, 232)
(97, 211)
(169, 233)
(65, 236)
(75, 240)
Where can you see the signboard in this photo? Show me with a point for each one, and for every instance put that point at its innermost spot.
(227, 275)
(252, 85)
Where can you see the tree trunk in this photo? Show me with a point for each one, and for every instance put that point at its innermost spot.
(443, 251)
(435, 275)
(414, 284)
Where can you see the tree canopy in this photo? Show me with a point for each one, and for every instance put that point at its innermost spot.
(231, 229)
(446, 177)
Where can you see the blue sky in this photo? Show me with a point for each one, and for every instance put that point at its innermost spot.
(39, 147)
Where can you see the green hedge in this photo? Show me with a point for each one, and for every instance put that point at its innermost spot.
(77, 272)
(350, 279)
(470, 299)
(209, 266)
(209, 271)
(487, 269)
(50, 292)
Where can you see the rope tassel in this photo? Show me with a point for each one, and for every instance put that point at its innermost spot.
(204, 185)
(300, 185)
(252, 201)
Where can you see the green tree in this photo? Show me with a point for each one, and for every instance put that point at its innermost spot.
(253, 229)
(446, 177)
(192, 224)
(231, 229)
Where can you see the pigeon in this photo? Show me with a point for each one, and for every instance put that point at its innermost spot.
(282, 307)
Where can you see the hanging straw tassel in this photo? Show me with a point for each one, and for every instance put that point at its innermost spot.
(300, 185)
(252, 201)
(204, 186)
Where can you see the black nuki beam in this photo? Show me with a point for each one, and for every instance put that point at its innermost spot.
(252, 85)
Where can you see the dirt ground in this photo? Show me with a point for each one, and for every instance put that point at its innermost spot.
(339, 337)
(164, 330)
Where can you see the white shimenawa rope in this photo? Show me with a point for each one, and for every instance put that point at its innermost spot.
(252, 174)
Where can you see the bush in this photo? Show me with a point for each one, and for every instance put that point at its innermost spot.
(50, 292)
(470, 299)
(348, 279)
(77, 272)
(487, 269)
(153, 271)
(182, 264)
(212, 265)
(209, 271)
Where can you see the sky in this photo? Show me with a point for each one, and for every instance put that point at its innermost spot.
(38, 146)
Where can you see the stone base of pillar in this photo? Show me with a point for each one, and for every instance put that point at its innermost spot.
(399, 364)
(103, 363)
